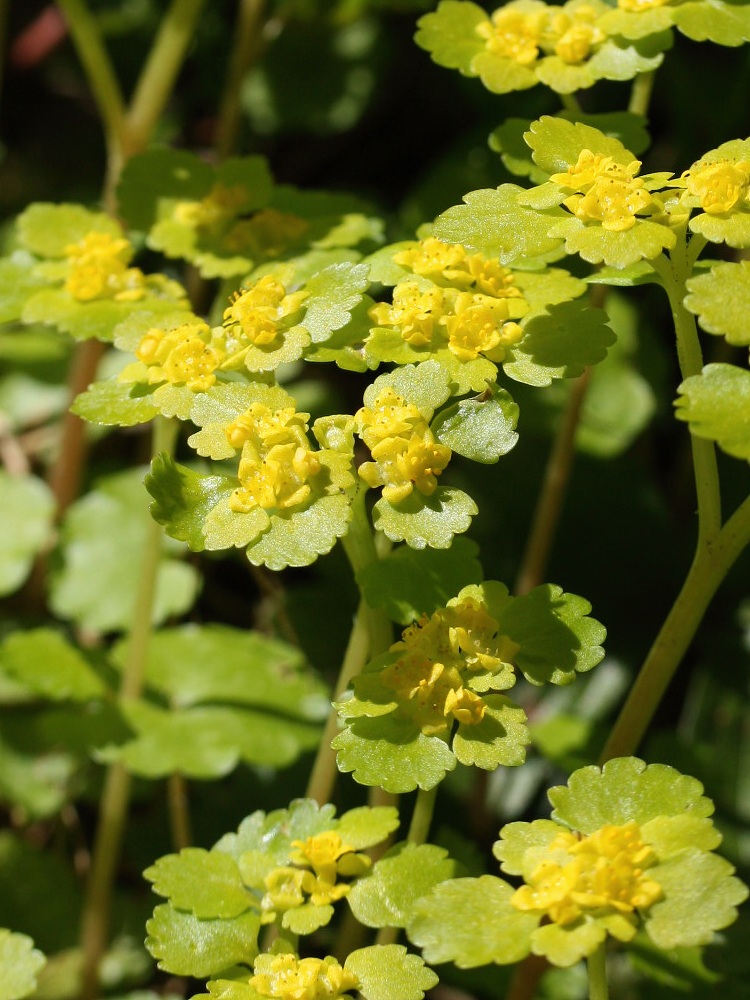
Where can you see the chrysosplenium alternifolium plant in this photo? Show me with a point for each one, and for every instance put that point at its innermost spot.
(429, 334)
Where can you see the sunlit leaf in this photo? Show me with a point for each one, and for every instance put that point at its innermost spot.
(187, 946)
(20, 962)
(716, 405)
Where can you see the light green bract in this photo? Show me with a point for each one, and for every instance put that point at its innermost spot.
(628, 845)
(434, 698)
(721, 301)
(716, 405)
(20, 962)
(290, 867)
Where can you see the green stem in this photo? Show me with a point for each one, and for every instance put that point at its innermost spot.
(421, 818)
(99, 71)
(157, 78)
(712, 562)
(597, 969)
(640, 95)
(571, 104)
(116, 792)
(246, 48)
(179, 811)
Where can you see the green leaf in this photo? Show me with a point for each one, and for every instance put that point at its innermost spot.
(410, 582)
(247, 668)
(556, 144)
(386, 896)
(700, 898)
(156, 174)
(471, 922)
(187, 946)
(732, 229)
(367, 825)
(206, 741)
(500, 738)
(18, 282)
(44, 662)
(425, 385)
(28, 510)
(557, 639)
(20, 962)
(207, 883)
(449, 34)
(624, 790)
(722, 23)
(559, 343)
(721, 300)
(386, 971)
(481, 429)
(273, 834)
(716, 404)
(47, 229)
(493, 222)
(332, 295)
(112, 403)
(183, 499)
(645, 241)
(223, 403)
(299, 538)
(102, 535)
(392, 754)
(421, 521)
(37, 784)
(97, 319)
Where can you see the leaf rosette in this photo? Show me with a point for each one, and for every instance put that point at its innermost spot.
(629, 845)
(76, 274)
(434, 699)
(526, 42)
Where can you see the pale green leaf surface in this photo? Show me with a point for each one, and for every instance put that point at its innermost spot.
(500, 738)
(556, 143)
(46, 229)
(479, 429)
(20, 962)
(668, 835)
(156, 174)
(721, 300)
(645, 240)
(426, 521)
(564, 945)
(716, 404)
(700, 897)
(732, 229)
(494, 223)
(507, 140)
(183, 499)
(131, 330)
(273, 833)
(332, 295)
(502, 75)
(424, 385)
(714, 21)
(549, 287)
(410, 582)
(393, 754)
(555, 634)
(449, 34)
(367, 825)
(386, 971)
(187, 946)
(112, 403)
(616, 61)
(559, 343)
(638, 24)
(518, 838)
(18, 282)
(221, 405)
(224, 528)
(47, 664)
(386, 896)
(299, 538)
(207, 883)
(28, 510)
(639, 273)
(626, 790)
(102, 535)
(39, 784)
(306, 919)
(470, 922)
(97, 319)
(247, 668)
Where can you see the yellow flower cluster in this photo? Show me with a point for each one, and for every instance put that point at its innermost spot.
(260, 314)
(603, 875)
(606, 192)
(406, 455)
(286, 977)
(466, 307)
(312, 875)
(214, 210)
(435, 655)
(719, 186)
(186, 355)
(99, 269)
(276, 463)
(528, 31)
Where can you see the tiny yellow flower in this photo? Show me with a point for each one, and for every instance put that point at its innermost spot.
(403, 465)
(513, 34)
(719, 186)
(184, 355)
(257, 314)
(284, 890)
(266, 427)
(604, 873)
(449, 263)
(575, 45)
(286, 977)
(325, 853)
(389, 416)
(611, 202)
(279, 480)
(99, 269)
(589, 167)
(415, 312)
(431, 257)
(474, 326)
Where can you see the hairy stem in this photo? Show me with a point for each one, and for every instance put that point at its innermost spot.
(246, 48)
(712, 562)
(116, 792)
(597, 970)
